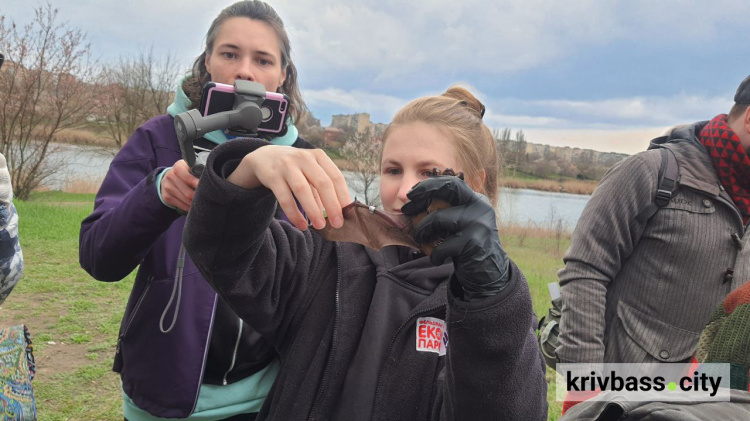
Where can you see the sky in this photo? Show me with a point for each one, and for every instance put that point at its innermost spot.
(605, 75)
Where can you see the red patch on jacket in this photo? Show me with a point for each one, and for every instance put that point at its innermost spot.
(431, 335)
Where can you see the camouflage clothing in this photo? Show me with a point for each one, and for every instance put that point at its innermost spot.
(11, 257)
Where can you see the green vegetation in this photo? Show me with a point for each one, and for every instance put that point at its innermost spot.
(74, 320)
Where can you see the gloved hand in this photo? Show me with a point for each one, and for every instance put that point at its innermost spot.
(468, 231)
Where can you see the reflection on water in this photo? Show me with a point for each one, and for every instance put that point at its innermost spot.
(524, 207)
(78, 164)
(517, 206)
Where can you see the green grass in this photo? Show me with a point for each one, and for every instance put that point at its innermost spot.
(58, 196)
(539, 258)
(74, 320)
(333, 153)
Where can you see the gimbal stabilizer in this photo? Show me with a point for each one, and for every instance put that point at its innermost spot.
(246, 113)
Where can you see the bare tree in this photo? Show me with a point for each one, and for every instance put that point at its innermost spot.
(43, 90)
(363, 153)
(503, 145)
(519, 151)
(135, 90)
(310, 129)
(512, 151)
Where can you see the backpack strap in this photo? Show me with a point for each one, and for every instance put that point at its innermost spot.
(668, 177)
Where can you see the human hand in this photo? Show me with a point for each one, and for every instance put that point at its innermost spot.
(307, 175)
(466, 232)
(178, 186)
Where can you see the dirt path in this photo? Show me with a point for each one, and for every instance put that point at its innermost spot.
(52, 356)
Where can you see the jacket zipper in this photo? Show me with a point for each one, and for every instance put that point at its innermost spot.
(234, 354)
(132, 316)
(390, 348)
(205, 352)
(335, 335)
(728, 274)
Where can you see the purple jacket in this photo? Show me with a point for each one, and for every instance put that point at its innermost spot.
(130, 226)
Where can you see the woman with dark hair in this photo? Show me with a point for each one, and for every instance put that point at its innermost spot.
(182, 352)
(438, 332)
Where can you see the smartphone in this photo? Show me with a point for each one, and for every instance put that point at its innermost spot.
(219, 97)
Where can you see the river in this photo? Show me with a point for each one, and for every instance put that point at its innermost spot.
(517, 206)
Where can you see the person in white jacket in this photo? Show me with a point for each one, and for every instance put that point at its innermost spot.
(11, 257)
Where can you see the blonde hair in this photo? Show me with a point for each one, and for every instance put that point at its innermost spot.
(458, 114)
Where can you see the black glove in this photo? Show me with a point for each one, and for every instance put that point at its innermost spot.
(468, 231)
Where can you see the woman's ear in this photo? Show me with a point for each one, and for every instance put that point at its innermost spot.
(207, 63)
(477, 183)
(283, 79)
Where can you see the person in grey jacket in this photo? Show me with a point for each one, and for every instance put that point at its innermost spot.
(642, 291)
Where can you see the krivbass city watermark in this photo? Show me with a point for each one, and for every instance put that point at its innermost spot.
(666, 382)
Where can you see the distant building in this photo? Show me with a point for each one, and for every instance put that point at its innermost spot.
(359, 123)
(569, 154)
(333, 137)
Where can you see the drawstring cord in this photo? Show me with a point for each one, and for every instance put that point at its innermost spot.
(177, 288)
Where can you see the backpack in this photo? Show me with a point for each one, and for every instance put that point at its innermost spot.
(549, 325)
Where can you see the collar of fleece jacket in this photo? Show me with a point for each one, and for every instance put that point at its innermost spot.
(730, 160)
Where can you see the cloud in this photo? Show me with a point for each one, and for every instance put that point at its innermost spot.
(538, 65)
(628, 141)
(627, 113)
(380, 107)
(635, 111)
(538, 129)
(389, 41)
(395, 46)
(521, 121)
(400, 44)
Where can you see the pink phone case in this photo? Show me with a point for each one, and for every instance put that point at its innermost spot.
(274, 102)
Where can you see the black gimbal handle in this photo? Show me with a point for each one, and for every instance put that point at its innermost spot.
(246, 113)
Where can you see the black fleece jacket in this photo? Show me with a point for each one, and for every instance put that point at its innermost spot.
(309, 298)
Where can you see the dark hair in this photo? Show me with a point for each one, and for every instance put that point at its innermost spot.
(257, 10)
(737, 111)
(458, 113)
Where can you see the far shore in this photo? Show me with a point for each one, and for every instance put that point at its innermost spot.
(571, 186)
(585, 187)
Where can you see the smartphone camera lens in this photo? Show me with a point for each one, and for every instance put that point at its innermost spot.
(266, 113)
(282, 107)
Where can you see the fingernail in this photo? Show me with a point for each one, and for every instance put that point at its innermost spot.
(337, 222)
(320, 223)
